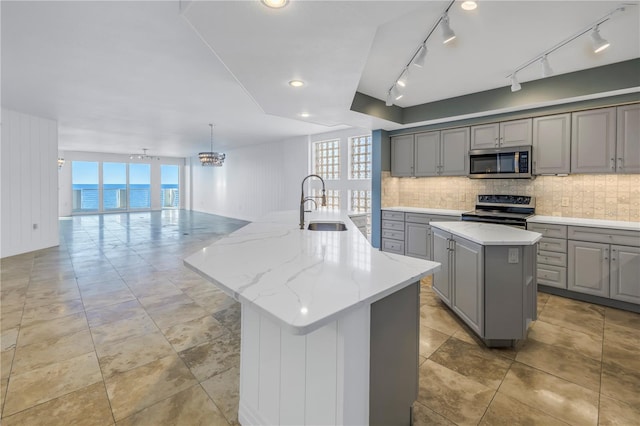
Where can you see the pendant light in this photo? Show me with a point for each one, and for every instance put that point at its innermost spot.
(211, 158)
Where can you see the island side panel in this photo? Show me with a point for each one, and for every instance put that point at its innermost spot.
(395, 325)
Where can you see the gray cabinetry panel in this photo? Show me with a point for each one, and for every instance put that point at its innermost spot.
(552, 258)
(625, 274)
(416, 218)
(427, 154)
(393, 225)
(552, 144)
(417, 240)
(593, 141)
(393, 246)
(468, 293)
(402, 153)
(392, 215)
(552, 275)
(628, 139)
(454, 152)
(604, 235)
(515, 133)
(442, 278)
(548, 230)
(553, 244)
(393, 235)
(588, 268)
(485, 136)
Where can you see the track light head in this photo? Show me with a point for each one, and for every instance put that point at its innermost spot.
(546, 68)
(447, 32)
(515, 85)
(599, 44)
(421, 56)
(402, 81)
(395, 93)
(389, 101)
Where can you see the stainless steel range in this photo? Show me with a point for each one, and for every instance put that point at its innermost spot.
(512, 210)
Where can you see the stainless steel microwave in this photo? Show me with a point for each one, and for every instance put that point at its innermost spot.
(500, 163)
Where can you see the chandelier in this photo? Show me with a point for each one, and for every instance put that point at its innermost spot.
(211, 158)
(143, 156)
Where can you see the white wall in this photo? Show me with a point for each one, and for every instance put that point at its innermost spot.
(29, 187)
(253, 180)
(65, 191)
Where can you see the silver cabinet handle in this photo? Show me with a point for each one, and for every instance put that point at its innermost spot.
(613, 164)
(620, 163)
(606, 254)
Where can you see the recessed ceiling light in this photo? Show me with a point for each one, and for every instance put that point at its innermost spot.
(469, 5)
(296, 83)
(275, 4)
(304, 114)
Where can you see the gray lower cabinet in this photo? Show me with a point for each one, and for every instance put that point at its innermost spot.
(589, 268)
(552, 254)
(392, 232)
(495, 298)
(417, 240)
(624, 278)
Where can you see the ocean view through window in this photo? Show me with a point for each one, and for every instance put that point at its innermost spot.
(170, 186)
(139, 186)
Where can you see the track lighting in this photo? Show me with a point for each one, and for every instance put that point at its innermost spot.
(396, 94)
(515, 86)
(389, 101)
(599, 44)
(447, 32)
(402, 81)
(421, 56)
(546, 68)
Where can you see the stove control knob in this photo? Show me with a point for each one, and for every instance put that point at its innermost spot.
(520, 200)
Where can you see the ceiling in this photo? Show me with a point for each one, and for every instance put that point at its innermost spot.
(123, 76)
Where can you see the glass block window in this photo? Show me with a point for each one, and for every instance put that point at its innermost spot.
(360, 157)
(333, 199)
(360, 201)
(326, 156)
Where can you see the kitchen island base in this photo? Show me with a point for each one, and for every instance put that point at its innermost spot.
(359, 369)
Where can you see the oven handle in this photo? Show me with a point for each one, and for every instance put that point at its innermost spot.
(497, 222)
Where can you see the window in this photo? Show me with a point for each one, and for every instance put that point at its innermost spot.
(360, 157)
(333, 198)
(85, 184)
(360, 201)
(326, 156)
(170, 188)
(114, 186)
(139, 186)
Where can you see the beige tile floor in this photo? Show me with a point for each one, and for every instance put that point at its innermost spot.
(110, 328)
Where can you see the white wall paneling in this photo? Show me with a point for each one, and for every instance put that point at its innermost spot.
(29, 183)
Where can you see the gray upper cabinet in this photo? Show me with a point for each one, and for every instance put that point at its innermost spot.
(628, 140)
(438, 153)
(402, 153)
(552, 144)
(503, 134)
(593, 141)
(454, 152)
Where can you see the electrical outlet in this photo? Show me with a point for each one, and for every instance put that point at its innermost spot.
(565, 202)
(513, 255)
(35, 226)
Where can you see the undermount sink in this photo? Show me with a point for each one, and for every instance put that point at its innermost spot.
(327, 226)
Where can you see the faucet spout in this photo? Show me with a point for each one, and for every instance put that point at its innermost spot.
(304, 199)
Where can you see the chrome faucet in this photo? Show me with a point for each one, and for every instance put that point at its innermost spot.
(304, 199)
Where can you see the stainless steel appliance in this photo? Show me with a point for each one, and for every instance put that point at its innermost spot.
(512, 210)
(500, 163)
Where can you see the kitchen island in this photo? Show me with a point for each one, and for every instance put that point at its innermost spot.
(488, 277)
(330, 325)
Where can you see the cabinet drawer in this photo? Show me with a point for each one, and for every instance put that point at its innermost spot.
(548, 230)
(394, 235)
(443, 218)
(416, 218)
(393, 215)
(553, 244)
(393, 225)
(393, 246)
(554, 276)
(552, 258)
(603, 235)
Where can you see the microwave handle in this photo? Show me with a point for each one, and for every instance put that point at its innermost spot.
(516, 159)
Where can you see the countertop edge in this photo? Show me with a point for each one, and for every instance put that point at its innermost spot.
(534, 237)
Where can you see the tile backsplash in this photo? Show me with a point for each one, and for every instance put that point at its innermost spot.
(613, 197)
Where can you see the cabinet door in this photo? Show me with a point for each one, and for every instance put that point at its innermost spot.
(427, 154)
(485, 136)
(454, 152)
(441, 279)
(402, 155)
(625, 270)
(593, 141)
(515, 133)
(552, 144)
(416, 240)
(468, 284)
(588, 268)
(628, 140)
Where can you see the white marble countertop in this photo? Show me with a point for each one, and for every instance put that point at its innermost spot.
(304, 279)
(444, 212)
(489, 234)
(595, 223)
